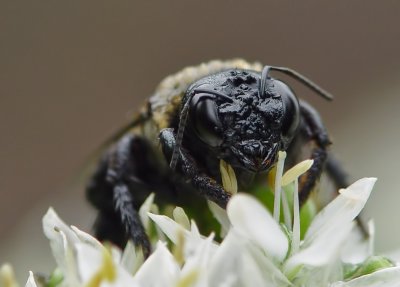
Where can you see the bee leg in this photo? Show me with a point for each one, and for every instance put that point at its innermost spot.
(110, 190)
(129, 217)
(315, 133)
(108, 226)
(186, 165)
(337, 173)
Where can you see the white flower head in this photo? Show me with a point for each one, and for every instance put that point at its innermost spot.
(256, 248)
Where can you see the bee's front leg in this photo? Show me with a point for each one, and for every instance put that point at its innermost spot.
(186, 165)
(311, 132)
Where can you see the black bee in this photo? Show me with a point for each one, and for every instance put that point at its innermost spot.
(222, 110)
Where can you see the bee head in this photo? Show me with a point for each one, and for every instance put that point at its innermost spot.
(238, 122)
(242, 116)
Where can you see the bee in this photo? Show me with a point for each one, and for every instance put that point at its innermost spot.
(221, 110)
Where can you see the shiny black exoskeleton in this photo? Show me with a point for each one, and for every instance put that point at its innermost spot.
(241, 116)
(232, 120)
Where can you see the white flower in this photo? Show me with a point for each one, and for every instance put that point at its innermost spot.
(257, 250)
(256, 239)
(253, 222)
(322, 243)
(82, 259)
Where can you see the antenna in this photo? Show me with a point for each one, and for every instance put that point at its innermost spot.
(295, 75)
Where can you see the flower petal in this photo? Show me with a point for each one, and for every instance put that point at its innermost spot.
(251, 275)
(197, 264)
(344, 208)
(325, 247)
(357, 249)
(31, 281)
(266, 268)
(168, 226)
(99, 268)
(181, 217)
(62, 239)
(132, 258)
(389, 277)
(253, 221)
(221, 216)
(326, 236)
(226, 261)
(173, 230)
(89, 260)
(144, 209)
(52, 225)
(160, 269)
(86, 238)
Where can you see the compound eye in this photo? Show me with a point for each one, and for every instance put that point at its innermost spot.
(206, 122)
(291, 115)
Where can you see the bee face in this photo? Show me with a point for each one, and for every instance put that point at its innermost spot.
(239, 123)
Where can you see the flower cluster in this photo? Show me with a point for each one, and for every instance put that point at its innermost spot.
(256, 250)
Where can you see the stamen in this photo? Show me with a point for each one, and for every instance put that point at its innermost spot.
(296, 218)
(371, 234)
(287, 215)
(278, 185)
(292, 175)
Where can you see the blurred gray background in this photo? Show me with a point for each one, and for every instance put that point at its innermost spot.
(71, 72)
